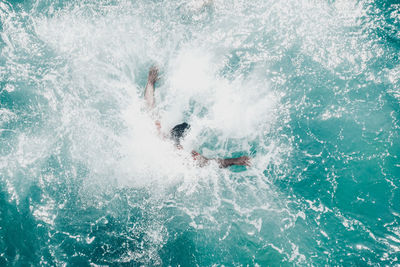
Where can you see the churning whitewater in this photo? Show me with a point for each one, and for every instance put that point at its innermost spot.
(309, 90)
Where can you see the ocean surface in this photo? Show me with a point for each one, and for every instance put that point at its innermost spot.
(310, 90)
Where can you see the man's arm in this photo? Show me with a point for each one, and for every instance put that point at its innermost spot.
(242, 161)
(149, 91)
(152, 78)
(223, 163)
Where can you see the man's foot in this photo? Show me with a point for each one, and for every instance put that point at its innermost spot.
(153, 75)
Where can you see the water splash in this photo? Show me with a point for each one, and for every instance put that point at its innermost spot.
(310, 90)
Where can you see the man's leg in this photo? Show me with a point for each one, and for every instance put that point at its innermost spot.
(149, 91)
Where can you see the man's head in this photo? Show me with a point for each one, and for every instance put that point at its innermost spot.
(179, 132)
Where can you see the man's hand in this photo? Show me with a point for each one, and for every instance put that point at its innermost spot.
(223, 163)
(153, 75)
(242, 161)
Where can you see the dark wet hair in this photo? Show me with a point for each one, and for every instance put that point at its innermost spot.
(179, 132)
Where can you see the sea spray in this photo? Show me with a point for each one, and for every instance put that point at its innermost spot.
(308, 90)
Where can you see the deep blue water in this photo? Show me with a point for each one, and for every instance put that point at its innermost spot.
(310, 90)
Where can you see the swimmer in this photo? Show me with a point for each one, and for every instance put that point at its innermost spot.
(179, 131)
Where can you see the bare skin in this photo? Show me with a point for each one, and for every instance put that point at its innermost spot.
(149, 91)
(200, 159)
(223, 163)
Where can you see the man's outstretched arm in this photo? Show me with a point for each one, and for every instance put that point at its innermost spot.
(223, 163)
(152, 78)
(149, 91)
(242, 161)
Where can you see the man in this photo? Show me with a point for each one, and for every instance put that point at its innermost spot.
(179, 131)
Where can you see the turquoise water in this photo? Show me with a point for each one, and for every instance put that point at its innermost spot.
(310, 90)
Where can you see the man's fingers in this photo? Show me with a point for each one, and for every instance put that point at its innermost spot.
(153, 74)
(247, 161)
